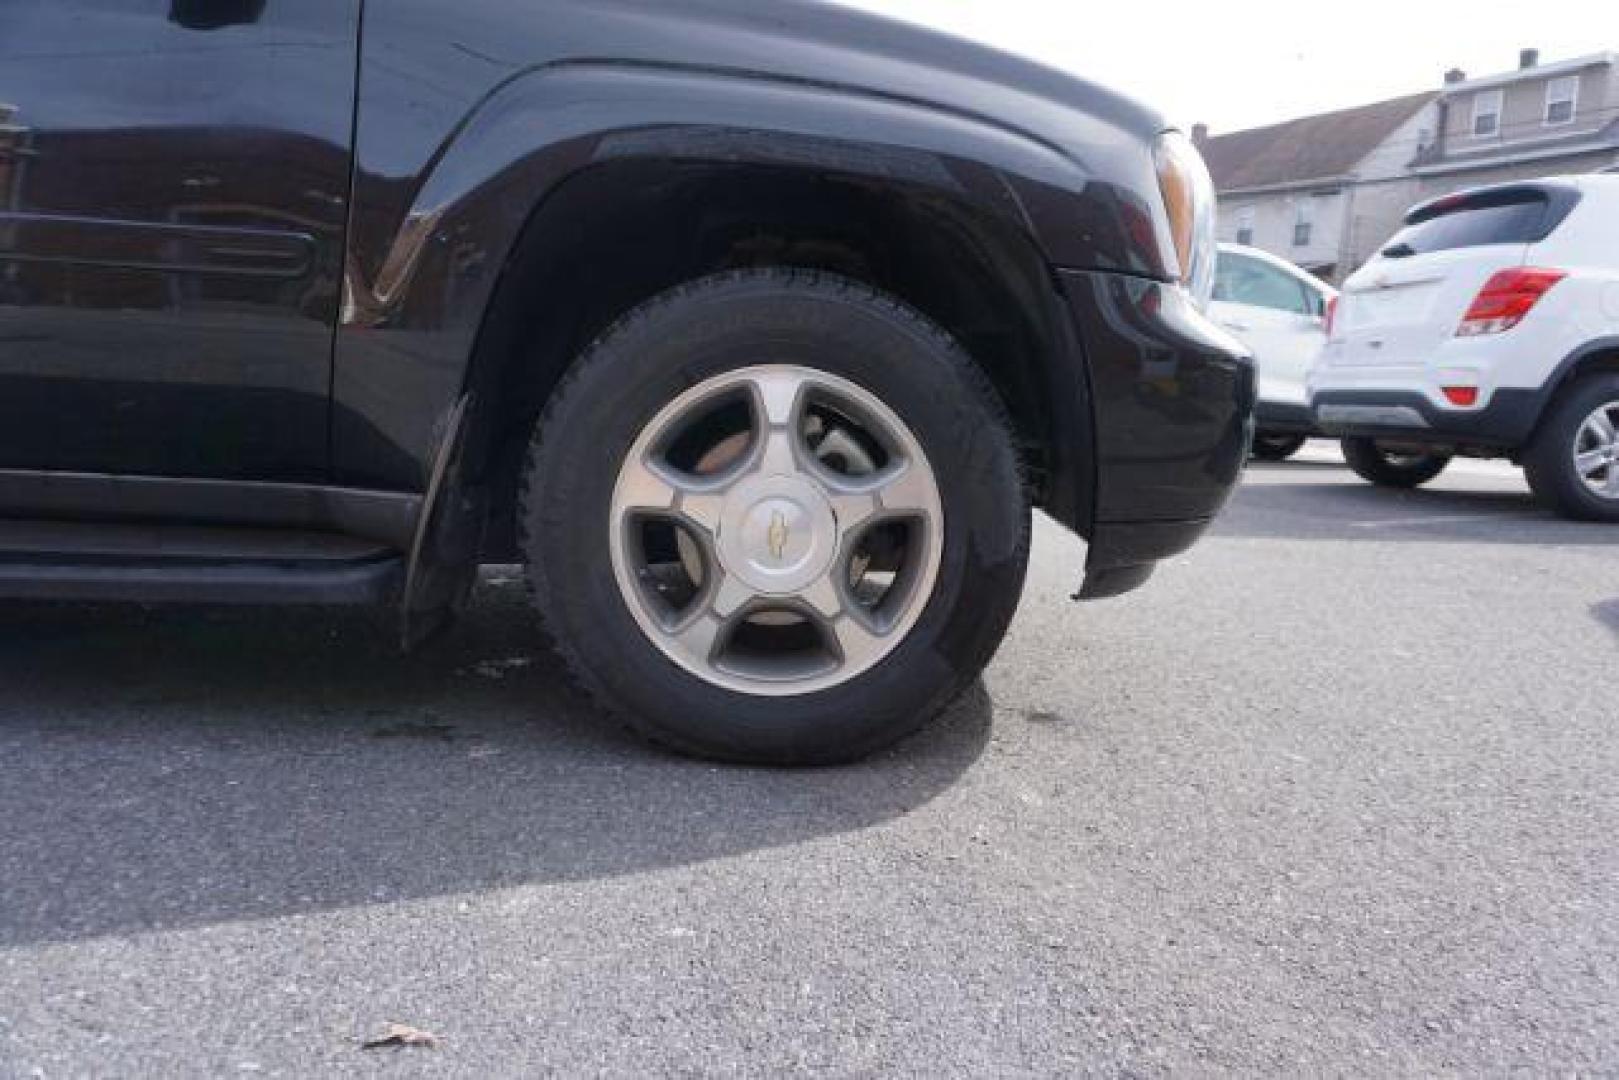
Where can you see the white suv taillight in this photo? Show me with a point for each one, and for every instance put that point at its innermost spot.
(1506, 299)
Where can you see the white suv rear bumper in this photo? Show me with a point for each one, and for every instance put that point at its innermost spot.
(1409, 401)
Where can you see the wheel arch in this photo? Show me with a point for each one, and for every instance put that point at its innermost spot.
(429, 282)
(618, 234)
(1598, 355)
(496, 275)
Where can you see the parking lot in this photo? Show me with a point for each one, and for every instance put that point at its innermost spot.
(1339, 791)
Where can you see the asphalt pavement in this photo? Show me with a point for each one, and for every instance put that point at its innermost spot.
(1338, 791)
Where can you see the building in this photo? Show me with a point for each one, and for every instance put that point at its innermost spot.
(1300, 189)
(1539, 120)
(1325, 191)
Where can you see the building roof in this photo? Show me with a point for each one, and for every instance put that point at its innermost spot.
(1447, 157)
(1310, 148)
(1536, 71)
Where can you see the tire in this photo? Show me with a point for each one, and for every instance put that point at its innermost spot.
(1372, 461)
(590, 444)
(1277, 447)
(1550, 465)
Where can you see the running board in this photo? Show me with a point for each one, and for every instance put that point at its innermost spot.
(190, 564)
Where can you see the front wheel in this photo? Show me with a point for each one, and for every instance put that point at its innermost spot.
(1573, 463)
(1392, 466)
(775, 517)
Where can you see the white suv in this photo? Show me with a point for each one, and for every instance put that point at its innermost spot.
(1488, 326)
(1279, 312)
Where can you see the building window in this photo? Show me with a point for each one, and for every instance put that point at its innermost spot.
(1486, 113)
(1245, 226)
(1303, 222)
(1562, 96)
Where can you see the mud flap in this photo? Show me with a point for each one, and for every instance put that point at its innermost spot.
(1114, 581)
(443, 563)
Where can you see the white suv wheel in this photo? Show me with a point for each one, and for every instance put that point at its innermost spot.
(1596, 451)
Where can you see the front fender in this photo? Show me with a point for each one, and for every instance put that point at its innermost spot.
(427, 250)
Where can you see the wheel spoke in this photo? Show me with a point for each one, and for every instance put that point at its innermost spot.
(1613, 478)
(778, 400)
(851, 508)
(908, 491)
(702, 508)
(700, 637)
(901, 491)
(1603, 426)
(642, 487)
(647, 489)
(779, 454)
(777, 393)
(1590, 461)
(856, 641)
(823, 595)
(730, 597)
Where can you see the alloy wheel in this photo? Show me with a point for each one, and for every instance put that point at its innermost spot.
(776, 530)
(1596, 451)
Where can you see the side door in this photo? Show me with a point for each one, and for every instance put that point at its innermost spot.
(1276, 315)
(174, 186)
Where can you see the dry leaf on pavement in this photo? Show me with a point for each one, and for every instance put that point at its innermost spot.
(401, 1035)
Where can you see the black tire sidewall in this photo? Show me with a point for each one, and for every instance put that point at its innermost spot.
(737, 321)
(1276, 448)
(1370, 463)
(1549, 464)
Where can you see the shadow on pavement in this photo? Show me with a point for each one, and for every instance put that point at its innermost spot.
(1607, 613)
(169, 768)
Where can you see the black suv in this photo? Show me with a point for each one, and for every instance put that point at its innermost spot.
(753, 328)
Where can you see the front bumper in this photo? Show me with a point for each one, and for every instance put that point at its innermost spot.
(1173, 399)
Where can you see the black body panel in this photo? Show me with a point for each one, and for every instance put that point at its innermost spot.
(173, 195)
(361, 584)
(1120, 546)
(1104, 583)
(387, 517)
(259, 263)
(1174, 399)
(463, 136)
(168, 563)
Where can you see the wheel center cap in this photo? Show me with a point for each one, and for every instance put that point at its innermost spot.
(777, 534)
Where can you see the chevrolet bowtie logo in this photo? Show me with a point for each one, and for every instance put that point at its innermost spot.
(778, 535)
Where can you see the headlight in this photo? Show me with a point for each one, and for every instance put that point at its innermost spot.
(1190, 207)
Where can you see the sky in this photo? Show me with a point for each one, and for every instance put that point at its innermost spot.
(1245, 63)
